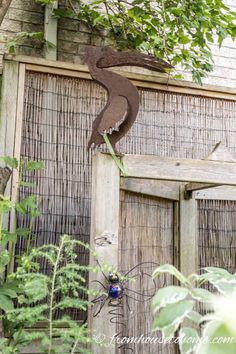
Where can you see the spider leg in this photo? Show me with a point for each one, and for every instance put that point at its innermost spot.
(98, 263)
(99, 298)
(97, 281)
(117, 317)
(140, 264)
(102, 303)
(138, 300)
(127, 304)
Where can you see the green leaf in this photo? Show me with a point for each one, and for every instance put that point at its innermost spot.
(170, 269)
(119, 163)
(8, 292)
(6, 303)
(195, 317)
(210, 344)
(5, 205)
(202, 295)
(24, 231)
(26, 184)
(27, 204)
(216, 270)
(35, 165)
(189, 339)
(10, 161)
(168, 332)
(209, 37)
(168, 295)
(4, 260)
(8, 237)
(184, 39)
(173, 315)
(37, 287)
(178, 76)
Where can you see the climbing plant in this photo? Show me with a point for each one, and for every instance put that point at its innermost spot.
(179, 31)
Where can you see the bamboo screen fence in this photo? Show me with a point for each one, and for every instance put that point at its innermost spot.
(146, 234)
(58, 116)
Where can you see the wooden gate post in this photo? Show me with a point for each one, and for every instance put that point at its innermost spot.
(104, 240)
(188, 234)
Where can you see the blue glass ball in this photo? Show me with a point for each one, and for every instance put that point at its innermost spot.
(116, 291)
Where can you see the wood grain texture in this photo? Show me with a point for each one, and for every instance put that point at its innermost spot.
(188, 235)
(219, 193)
(16, 154)
(50, 30)
(8, 110)
(154, 81)
(161, 189)
(179, 169)
(104, 236)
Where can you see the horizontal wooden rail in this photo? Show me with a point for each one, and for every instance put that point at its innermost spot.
(219, 193)
(179, 169)
(154, 188)
(152, 80)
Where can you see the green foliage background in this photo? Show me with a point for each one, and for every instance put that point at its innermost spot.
(178, 31)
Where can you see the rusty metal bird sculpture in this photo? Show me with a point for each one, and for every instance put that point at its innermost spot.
(122, 106)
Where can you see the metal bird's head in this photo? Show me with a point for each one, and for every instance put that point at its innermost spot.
(110, 58)
(122, 106)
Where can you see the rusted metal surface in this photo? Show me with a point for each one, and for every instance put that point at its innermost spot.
(122, 106)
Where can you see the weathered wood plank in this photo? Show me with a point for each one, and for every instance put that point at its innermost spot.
(16, 153)
(104, 236)
(155, 81)
(50, 30)
(8, 113)
(221, 153)
(58, 71)
(188, 235)
(219, 193)
(176, 235)
(8, 108)
(160, 189)
(179, 169)
(193, 187)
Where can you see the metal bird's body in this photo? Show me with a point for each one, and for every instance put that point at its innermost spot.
(122, 106)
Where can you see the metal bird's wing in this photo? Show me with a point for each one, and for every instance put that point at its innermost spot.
(115, 113)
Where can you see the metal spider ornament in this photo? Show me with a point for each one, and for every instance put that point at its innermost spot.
(117, 290)
(117, 293)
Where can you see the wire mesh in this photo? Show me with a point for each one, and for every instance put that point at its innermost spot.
(217, 234)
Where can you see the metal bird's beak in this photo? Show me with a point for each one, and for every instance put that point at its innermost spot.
(111, 58)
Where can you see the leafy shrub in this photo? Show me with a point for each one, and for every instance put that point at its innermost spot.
(178, 307)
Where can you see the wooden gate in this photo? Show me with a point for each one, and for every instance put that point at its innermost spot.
(178, 183)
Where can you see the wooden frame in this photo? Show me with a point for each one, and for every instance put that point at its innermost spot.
(144, 175)
(11, 114)
(155, 81)
(179, 169)
(219, 193)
